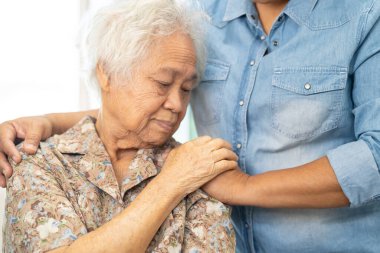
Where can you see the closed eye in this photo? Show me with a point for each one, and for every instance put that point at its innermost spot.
(163, 83)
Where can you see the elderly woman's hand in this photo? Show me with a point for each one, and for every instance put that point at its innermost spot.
(32, 129)
(196, 162)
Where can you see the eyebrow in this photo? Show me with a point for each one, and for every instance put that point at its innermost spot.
(174, 72)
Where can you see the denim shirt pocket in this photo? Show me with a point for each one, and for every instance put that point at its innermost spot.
(206, 103)
(307, 101)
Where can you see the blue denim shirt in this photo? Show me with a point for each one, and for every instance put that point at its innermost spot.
(310, 88)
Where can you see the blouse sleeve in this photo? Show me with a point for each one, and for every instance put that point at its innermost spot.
(39, 216)
(208, 226)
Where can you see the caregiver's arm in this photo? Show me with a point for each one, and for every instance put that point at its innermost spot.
(33, 130)
(36, 128)
(63, 121)
(313, 185)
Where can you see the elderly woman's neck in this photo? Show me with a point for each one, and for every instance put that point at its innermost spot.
(119, 143)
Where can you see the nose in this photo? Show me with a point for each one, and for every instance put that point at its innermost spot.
(175, 101)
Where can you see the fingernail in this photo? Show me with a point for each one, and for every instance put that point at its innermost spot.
(5, 173)
(29, 146)
(16, 159)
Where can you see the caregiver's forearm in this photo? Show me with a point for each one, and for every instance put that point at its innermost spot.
(134, 228)
(63, 121)
(313, 185)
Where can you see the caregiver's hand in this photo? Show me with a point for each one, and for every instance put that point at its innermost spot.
(196, 162)
(32, 129)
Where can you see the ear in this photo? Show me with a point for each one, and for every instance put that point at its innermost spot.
(103, 79)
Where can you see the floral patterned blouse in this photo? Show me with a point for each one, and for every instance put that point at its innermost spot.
(69, 189)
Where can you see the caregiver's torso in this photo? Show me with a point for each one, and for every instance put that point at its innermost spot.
(286, 99)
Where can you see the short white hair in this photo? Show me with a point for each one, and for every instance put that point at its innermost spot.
(120, 35)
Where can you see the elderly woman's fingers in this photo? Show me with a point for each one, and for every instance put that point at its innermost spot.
(218, 143)
(200, 161)
(224, 165)
(201, 140)
(223, 154)
(212, 143)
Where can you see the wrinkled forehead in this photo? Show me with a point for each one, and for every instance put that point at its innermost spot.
(177, 71)
(174, 54)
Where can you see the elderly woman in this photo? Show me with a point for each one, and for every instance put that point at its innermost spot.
(112, 184)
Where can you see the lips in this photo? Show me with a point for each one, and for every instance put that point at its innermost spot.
(167, 126)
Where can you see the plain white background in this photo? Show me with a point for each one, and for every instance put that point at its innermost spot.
(39, 61)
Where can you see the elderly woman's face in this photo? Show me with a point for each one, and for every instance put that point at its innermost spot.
(151, 106)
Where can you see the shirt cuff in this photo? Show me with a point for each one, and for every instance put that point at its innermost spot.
(356, 171)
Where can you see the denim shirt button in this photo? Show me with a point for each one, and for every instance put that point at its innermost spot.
(252, 63)
(307, 86)
(238, 146)
(241, 103)
(275, 43)
(262, 37)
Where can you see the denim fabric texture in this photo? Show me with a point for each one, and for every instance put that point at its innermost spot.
(310, 88)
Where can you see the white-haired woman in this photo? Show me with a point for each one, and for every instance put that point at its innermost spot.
(112, 184)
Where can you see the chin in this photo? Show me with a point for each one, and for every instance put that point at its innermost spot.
(159, 140)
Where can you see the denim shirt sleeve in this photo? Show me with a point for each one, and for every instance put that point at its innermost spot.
(357, 164)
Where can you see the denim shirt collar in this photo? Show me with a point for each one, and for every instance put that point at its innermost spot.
(235, 9)
(296, 9)
(300, 10)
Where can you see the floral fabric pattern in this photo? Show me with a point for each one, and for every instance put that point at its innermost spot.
(69, 189)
